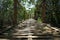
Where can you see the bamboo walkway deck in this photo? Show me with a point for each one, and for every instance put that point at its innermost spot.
(31, 37)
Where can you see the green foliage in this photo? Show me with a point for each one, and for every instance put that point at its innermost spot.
(53, 10)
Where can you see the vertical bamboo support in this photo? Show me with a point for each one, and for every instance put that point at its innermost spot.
(29, 38)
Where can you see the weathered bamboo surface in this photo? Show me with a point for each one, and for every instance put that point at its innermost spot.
(30, 37)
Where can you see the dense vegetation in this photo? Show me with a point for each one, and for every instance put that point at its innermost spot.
(14, 11)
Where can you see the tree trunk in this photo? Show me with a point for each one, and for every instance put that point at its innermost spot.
(35, 15)
(15, 12)
(44, 11)
(37, 12)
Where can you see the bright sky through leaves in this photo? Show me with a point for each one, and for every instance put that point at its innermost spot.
(28, 5)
